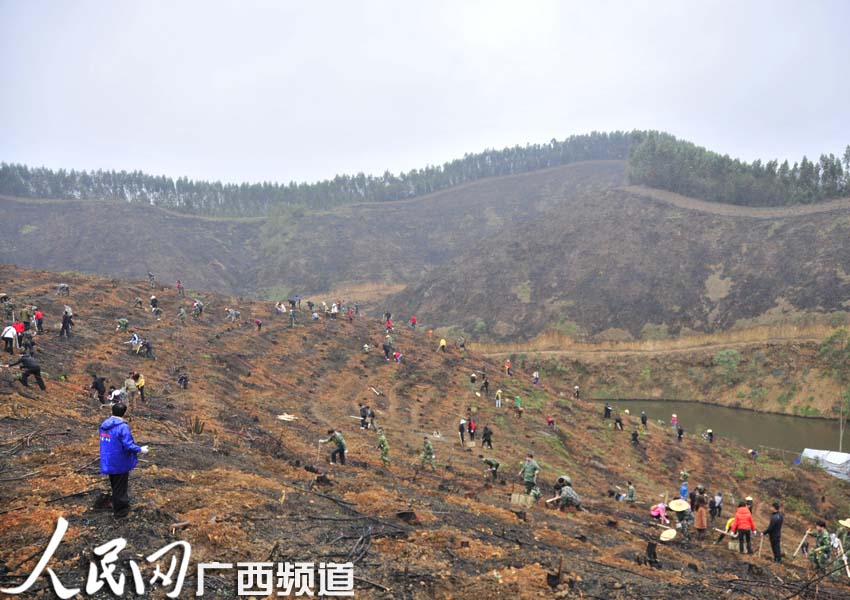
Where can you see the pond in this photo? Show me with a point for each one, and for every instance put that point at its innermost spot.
(746, 427)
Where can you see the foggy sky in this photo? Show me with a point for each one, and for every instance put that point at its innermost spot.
(280, 91)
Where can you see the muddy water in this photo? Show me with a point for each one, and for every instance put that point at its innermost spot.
(743, 426)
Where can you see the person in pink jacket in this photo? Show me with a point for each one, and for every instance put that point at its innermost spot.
(659, 512)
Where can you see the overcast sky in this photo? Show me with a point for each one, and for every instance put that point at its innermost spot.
(250, 91)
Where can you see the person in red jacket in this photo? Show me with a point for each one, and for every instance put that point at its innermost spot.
(39, 321)
(744, 526)
(19, 328)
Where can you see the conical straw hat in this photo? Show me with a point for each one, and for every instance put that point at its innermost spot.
(679, 505)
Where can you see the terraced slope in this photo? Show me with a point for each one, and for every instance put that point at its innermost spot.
(245, 486)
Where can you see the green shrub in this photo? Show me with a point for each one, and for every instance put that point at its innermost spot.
(788, 395)
(808, 411)
(757, 394)
(834, 351)
(727, 361)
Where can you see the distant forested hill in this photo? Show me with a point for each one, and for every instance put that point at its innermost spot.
(260, 199)
(661, 161)
(654, 159)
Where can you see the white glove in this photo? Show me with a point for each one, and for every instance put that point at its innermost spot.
(145, 449)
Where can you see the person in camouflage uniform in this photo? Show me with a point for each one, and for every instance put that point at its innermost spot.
(820, 556)
(181, 315)
(341, 448)
(131, 387)
(27, 343)
(568, 496)
(9, 310)
(492, 464)
(123, 325)
(686, 520)
(528, 472)
(630, 497)
(428, 455)
(842, 537)
(384, 447)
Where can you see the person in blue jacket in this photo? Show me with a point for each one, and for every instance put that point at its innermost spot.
(683, 491)
(118, 456)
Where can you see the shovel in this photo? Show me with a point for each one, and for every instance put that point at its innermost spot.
(800, 545)
(724, 532)
(844, 558)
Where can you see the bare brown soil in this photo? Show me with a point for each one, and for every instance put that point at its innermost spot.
(254, 488)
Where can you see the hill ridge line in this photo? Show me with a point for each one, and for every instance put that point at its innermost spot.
(318, 211)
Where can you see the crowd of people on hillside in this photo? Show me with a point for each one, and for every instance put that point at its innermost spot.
(697, 509)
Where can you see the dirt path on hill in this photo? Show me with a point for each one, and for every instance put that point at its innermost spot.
(601, 353)
(734, 210)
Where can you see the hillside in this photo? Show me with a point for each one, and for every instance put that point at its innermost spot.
(249, 487)
(129, 240)
(632, 263)
(399, 242)
(373, 243)
(777, 368)
(566, 249)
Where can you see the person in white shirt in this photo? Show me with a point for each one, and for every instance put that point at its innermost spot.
(10, 339)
